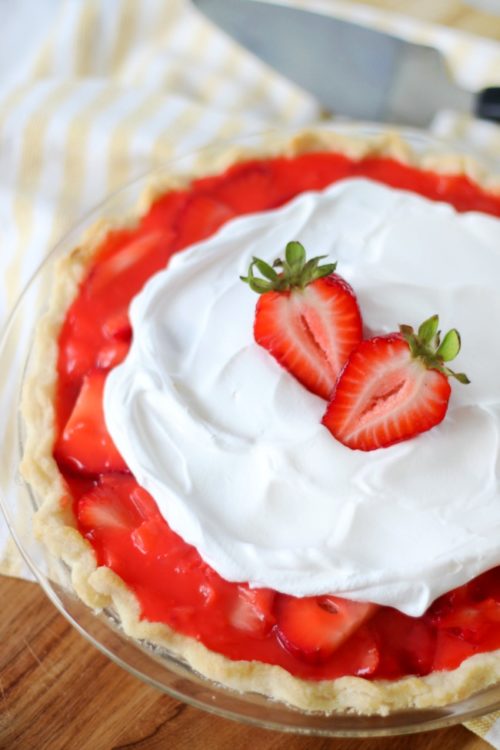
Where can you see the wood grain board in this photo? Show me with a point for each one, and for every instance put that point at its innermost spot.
(57, 692)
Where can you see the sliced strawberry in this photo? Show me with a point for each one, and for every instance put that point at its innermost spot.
(200, 217)
(313, 627)
(155, 539)
(78, 342)
(383, 396)
(451, 650)
(359, 655)
(393, 387)
(85, 444)
(486, 585)
(253, 611)
(121, 274)
(307, 317)
(111, 513)
(473, 621)
(118, 332)
(108, 507)
(252, 187)
(99, 313)
(117, 326)
(450, 601)
(111, 354)
(467, 621)
(407, 644)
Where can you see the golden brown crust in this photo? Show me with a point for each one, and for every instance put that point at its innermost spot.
(100, 587)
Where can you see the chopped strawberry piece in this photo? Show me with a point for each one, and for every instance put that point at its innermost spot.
(100, 312)
(407, 644)
(118, 332)
(200, 218)
(111, 354)
(146, 506)
(121, 274)
(466, 620)
(451, 650)
(253, 187)
(117, 326)
(154, 537)
(85, 445)
(487, 585)
(109, 507)
(475, 622)
(112, 513)
(449, 602)
(78, 341)
(253, 611)
(359, 655)
(313, 627)
(307, 317)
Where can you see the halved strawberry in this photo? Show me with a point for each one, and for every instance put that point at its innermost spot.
(307, 317)
(313, 627)
(253, 610)
(393, 387)
(85, 444)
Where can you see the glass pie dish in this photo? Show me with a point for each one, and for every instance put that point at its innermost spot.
(155, 665)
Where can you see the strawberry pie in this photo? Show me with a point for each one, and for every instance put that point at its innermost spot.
(250, 442)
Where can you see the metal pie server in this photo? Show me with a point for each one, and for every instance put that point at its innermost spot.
(352, 70)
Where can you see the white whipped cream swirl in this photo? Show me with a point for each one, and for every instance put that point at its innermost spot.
(232, 448)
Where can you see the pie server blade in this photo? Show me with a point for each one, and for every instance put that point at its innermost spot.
(352, 70)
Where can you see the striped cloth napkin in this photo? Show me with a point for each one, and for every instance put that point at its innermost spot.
(93, 94)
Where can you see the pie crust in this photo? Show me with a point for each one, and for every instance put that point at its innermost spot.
(100, 587)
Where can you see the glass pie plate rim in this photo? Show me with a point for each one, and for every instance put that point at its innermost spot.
(151, 664)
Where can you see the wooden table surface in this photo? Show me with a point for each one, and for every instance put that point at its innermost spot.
(58, 692)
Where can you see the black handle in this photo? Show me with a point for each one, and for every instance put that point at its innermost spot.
(488, 104)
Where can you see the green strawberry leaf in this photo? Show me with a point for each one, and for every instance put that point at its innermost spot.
(258, 285)
(294, 272)
(325, 270)
(426, 347)
(265, 269)
(295, 255)
(450, 346)
(428, 329)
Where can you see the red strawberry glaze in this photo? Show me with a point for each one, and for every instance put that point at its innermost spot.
(121, 521)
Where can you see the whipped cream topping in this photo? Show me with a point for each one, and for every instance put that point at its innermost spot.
(232, 448)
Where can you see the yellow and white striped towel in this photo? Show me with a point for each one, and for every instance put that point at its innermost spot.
(93, 94)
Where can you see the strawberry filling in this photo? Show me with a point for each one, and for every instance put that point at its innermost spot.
(314, 637)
